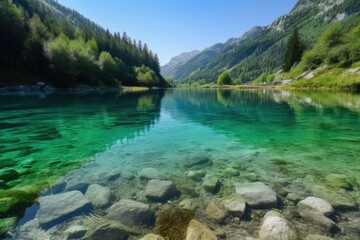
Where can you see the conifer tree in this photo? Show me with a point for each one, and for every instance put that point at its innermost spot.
(294, 51)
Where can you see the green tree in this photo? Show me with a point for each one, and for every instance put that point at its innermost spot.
(146, 76)
(108, 68)
(224, 79)
(294, 51)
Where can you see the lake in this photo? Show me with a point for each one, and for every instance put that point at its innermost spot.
(108, 146)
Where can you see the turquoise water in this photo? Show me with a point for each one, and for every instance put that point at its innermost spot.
(303, 138)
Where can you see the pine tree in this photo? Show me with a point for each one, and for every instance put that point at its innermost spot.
(294, 51)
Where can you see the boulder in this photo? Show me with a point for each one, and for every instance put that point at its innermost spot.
(160, 191)
(215, 213)
(198, 162)
(318, 219)
(152, 236)
(75, 184)
(131, 213)
(98, 195)
(275, 227)
(75, 232)
(257, 194)
(108, 231)
(198, 231)
(189, 204)
(150, 173)
(55, 209)
(339, 200)
(235, 205)
(211, 184)
(315, 204)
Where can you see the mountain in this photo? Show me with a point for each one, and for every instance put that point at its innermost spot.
(168, 68)
(261, 50)
(43, 40)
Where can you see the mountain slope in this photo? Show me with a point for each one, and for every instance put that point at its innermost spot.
(175, 61)
(45, 40)
(263, 52)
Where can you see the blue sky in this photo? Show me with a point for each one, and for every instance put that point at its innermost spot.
(171, 27)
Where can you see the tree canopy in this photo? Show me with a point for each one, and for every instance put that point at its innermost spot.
(224, 79)
(294, 51)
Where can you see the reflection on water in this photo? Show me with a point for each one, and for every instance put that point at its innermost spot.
(299, 143)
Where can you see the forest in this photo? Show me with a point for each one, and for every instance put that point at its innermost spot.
(45, 40)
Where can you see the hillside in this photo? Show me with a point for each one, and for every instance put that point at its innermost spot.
(43, 40)
(248, 58)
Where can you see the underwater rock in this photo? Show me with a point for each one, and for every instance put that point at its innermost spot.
(196, 175)
(257, 194)
(151, 173)
(7, 224)
(108, 231)
(230, 172)
(98, 195)
(76, 185)
(275, 227)
(152, 236)
(315, 204)
(55, 209)
(198, 231)
(318, 219)
(131, 213)
(215, 213)
(197, 162)
(295, 197)
(211, 184)
(8, 174)
(112, 176)
(189, 204)
(337, 181)
(235, 205)
(75, 232)
(160, 191)
(172, 223)
(317, 237)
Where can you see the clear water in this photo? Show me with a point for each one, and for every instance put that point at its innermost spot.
(266, 135)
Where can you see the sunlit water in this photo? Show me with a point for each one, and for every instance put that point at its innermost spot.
(268, 136)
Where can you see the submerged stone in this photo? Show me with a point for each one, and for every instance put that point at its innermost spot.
(338, 181)
(215, 213)
(189, 204)
(55, 209)
(131, 213)
(196, 175)
(75, 232)
(275, 227)
(160, 191)
(317, 237)
(98, 195)
(315, 204)
(198, 162)
(257, 194)
(8, 174)
(108, 231)
(211, 183)
(235, 205)
(77, 185)
(151, 173)
(198, 231)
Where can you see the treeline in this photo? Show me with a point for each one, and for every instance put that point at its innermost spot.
(63, 47)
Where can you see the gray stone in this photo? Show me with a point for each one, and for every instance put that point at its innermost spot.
(55, 209)
(215, 213)
(189, 204)
(112, 176)
(150, 173)
(198, 231)
(275, 227)
(108, 231)
(77, 185)
(315, 204)
(318, 219)
(257, 194)
(231, 172)
(317, 237)
(196, 175)
(98, 195)
(75, 232)
(160, 191)
(198, 162)
(341, 201)
(235, 205)
(152, 236)
(131, 213)
(8, 174)
(211, 183)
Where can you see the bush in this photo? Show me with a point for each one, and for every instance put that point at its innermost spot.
(224, 79)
